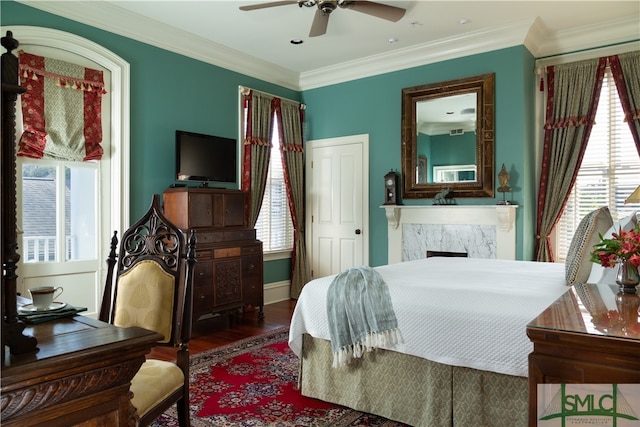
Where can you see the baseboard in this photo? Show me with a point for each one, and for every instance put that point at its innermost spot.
(276, 292)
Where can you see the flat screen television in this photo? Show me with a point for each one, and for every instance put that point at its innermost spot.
(205, 158)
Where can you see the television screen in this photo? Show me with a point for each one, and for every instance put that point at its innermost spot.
(205, 158)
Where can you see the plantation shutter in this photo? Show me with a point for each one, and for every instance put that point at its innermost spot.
(274, 227)
(609, 172)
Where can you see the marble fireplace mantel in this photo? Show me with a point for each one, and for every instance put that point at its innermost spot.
(482, 231)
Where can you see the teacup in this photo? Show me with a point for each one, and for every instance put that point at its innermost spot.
(43, 296)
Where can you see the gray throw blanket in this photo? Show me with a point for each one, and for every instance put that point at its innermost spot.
(360, 313)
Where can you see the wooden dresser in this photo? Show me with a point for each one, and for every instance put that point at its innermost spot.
(228, 272)
(590, 335)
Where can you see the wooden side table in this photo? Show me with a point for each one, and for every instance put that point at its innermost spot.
(590, 335)
(80, 375)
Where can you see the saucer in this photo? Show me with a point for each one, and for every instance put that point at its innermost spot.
(30, 308)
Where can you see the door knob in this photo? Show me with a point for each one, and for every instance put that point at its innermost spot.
(358, 231)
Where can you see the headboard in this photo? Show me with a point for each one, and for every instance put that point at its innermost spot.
(13, 336)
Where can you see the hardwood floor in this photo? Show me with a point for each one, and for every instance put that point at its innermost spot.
(218, 331)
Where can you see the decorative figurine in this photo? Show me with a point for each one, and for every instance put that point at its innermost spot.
(445, 197)
(503, 178)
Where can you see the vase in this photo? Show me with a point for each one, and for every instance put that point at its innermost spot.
(628, 277)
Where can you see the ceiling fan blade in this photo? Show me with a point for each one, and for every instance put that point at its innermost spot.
(269, 4)
(319, 25)
(379, 10)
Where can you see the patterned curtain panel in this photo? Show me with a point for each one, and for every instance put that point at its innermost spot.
(257, 150)
(291, 117)
(626, 71)
(572, 100)
(61, 109)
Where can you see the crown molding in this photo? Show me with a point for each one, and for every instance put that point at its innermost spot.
(414, 56)
(613, 32)
(115, 20)
(532, 34)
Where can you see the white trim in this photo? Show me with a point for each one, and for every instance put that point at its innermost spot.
(276, 292)
(587, 54)
(276, 255)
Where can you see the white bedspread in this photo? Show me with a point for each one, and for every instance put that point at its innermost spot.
(459, 311)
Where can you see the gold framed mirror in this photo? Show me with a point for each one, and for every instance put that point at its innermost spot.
(448, 138)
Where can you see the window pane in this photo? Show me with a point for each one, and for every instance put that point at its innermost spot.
(274, 227)
(609, 171)
(39, 213)
(80, 213)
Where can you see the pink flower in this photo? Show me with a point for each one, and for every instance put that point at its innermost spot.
(622, 246)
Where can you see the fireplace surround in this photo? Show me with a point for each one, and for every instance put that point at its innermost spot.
(481, 231)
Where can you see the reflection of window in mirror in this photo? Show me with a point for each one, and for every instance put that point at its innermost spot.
(454, 173)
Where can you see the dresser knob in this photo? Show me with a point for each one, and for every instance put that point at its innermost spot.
(200, 296)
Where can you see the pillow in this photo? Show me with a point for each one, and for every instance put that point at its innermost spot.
(578, 265)
(599, 274)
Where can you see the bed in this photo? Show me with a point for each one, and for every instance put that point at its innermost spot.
(464, 357)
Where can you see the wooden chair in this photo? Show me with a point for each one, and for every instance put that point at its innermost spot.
(153, 289)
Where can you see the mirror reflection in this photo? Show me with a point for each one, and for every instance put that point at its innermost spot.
(447, 138)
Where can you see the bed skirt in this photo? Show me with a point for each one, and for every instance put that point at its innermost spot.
(413, 390)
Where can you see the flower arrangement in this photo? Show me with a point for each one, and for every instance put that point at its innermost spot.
(623, 246)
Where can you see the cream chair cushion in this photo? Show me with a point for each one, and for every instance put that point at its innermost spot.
(145, 298)
(155, 380)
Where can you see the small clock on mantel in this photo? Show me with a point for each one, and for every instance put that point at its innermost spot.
(391, 188)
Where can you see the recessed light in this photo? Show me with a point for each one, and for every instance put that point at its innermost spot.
(392, 40)
(463, 21)
(296, 41)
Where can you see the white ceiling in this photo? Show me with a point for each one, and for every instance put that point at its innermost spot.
(257, 43)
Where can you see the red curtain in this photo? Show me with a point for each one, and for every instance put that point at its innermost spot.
(61, 109)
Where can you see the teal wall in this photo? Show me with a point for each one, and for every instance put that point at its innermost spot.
(373, 106)
(163, 100)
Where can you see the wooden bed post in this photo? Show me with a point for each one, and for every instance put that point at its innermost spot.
(12, 328)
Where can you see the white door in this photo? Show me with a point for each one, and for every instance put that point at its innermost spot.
(67, 211)
(337, 203)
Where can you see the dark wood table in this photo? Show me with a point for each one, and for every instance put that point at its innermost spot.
(590, 335)
(80, 374)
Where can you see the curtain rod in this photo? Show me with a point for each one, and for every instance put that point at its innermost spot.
(245, 91)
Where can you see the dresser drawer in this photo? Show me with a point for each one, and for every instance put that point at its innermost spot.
(202, 273)
(226, 252)
(252, 250)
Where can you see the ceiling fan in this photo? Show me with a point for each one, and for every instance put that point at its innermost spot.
(325, 7)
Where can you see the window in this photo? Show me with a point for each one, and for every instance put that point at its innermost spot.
(609, 171)
(274, 226)
(58, 210)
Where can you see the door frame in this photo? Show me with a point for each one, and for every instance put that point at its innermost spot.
(363, 140)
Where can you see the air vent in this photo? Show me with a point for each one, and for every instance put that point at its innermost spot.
(456, 132)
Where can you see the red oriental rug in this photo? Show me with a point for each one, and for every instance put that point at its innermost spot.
(252, 383)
